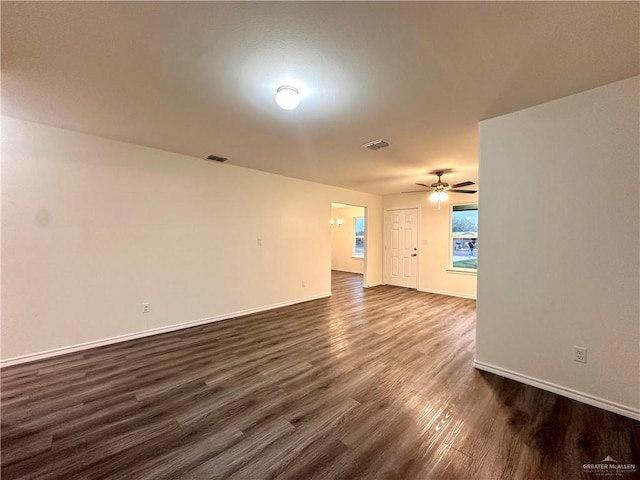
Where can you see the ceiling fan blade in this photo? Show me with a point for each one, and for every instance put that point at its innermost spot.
(464, 191)
(423, 185)
(463, 184)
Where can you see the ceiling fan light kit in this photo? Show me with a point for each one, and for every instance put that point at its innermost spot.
(437, 196)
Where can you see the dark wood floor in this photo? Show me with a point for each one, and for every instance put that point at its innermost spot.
(373, 383)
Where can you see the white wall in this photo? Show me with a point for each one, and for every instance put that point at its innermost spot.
(92, 228)
(559, 266)
(342, 241)
(434, 243)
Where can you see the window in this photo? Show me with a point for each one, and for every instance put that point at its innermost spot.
(358, 237)
(464, 236)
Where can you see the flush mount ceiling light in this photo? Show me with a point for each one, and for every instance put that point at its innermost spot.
(287, 97)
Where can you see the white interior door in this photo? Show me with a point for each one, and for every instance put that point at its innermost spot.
(401, 247)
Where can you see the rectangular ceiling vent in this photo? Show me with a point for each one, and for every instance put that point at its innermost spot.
(216, 158)
(376, 144)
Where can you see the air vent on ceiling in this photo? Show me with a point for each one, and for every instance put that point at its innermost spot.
(216, 158)
(376, 144)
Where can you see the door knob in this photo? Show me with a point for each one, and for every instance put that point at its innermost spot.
(414, 254)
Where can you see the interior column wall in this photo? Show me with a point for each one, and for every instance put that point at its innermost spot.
(560, 265)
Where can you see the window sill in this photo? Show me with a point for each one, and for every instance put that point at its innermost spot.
(462, 271)
(358, 258)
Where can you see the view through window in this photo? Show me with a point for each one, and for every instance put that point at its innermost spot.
(358, 237)
(464, 236)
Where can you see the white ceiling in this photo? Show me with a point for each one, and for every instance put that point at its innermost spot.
(199, 78)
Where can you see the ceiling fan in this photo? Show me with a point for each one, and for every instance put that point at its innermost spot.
(441, 188)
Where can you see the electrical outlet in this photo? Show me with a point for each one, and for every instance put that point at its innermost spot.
(304, 284)
(579, 354)
(259, 242)
(146, 307)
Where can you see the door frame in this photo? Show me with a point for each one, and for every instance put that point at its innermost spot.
(384, 242)
(366, 238)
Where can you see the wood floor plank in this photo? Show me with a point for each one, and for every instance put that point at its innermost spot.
(373, 383)
(184, 458)
(282, 452)
(241, 453)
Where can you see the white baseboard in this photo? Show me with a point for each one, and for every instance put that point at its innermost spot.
(451, 294)
(146, 333)
(369, 285)
(610, 406)
(346, 270)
